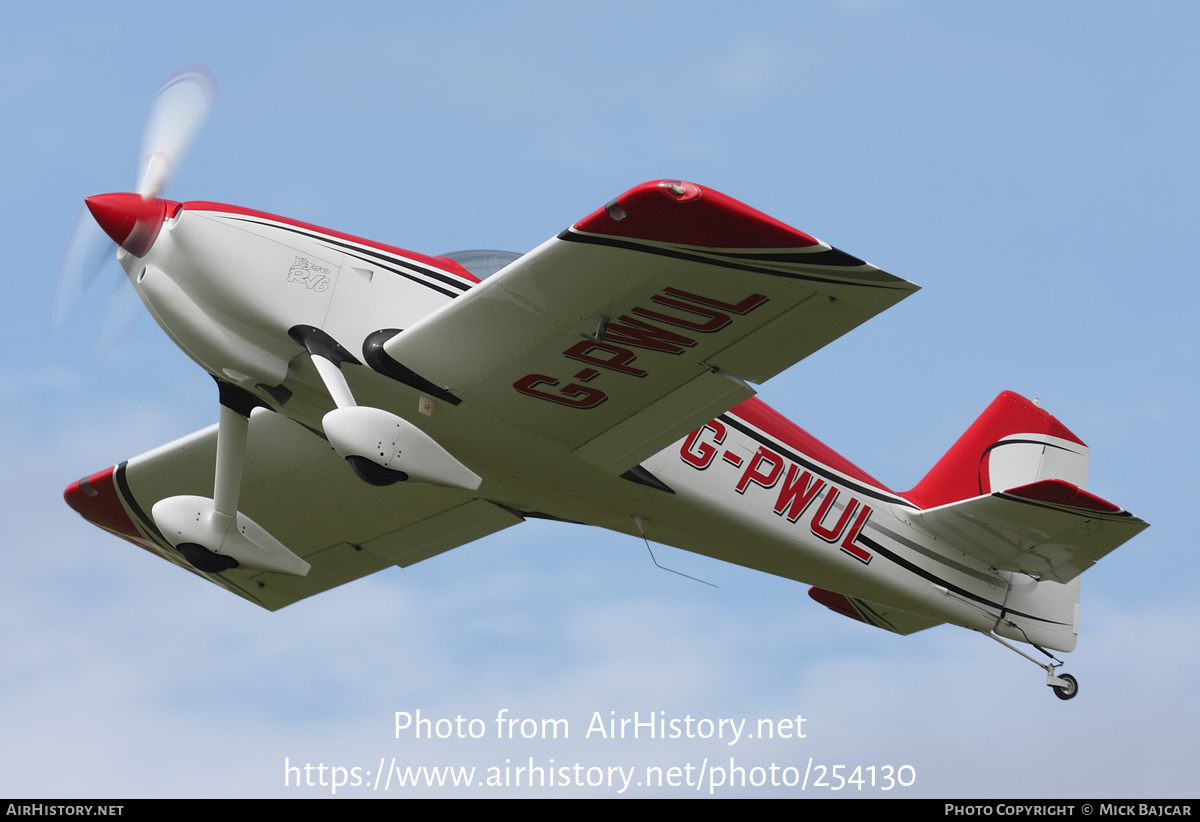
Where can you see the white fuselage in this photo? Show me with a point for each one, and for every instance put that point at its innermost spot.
(228, 284)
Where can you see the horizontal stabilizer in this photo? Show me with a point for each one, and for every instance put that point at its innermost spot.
(1049, 529)
(881, 616)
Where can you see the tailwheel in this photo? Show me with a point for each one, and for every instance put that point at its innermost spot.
(1064, 686)
(1068, 689)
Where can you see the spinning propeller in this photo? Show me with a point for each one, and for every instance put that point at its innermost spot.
(132, 221)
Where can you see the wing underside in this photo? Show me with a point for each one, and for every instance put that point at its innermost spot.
(303, 493)
(1048, 529)
(641, 322)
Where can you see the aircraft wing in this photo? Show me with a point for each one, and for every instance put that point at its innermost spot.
(639, 323)
(298, 488)
(1050, 529)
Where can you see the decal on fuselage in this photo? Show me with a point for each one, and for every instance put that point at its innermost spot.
(799, 488)
(314, 276)
(612, 350)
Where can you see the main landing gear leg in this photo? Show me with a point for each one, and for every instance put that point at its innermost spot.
(380, 446)
(1065, 686)
(212, 534)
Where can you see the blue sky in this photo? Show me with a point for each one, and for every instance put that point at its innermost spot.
(1032, 166)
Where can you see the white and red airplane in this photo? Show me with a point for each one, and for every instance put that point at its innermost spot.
(379, 407)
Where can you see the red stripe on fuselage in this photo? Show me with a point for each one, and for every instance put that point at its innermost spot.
(771, 422)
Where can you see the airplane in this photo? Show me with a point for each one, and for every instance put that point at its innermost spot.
(378, 407)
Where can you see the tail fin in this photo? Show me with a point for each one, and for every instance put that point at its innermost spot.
(1010, 494)
(1013, 443)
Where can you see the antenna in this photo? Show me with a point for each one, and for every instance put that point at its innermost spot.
(639, 521)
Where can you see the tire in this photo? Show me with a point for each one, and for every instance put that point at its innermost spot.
(1069, 690)
(373, 473)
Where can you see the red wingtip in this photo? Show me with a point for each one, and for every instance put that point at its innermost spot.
(131, 220)
(95, 499)
(675, 211)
